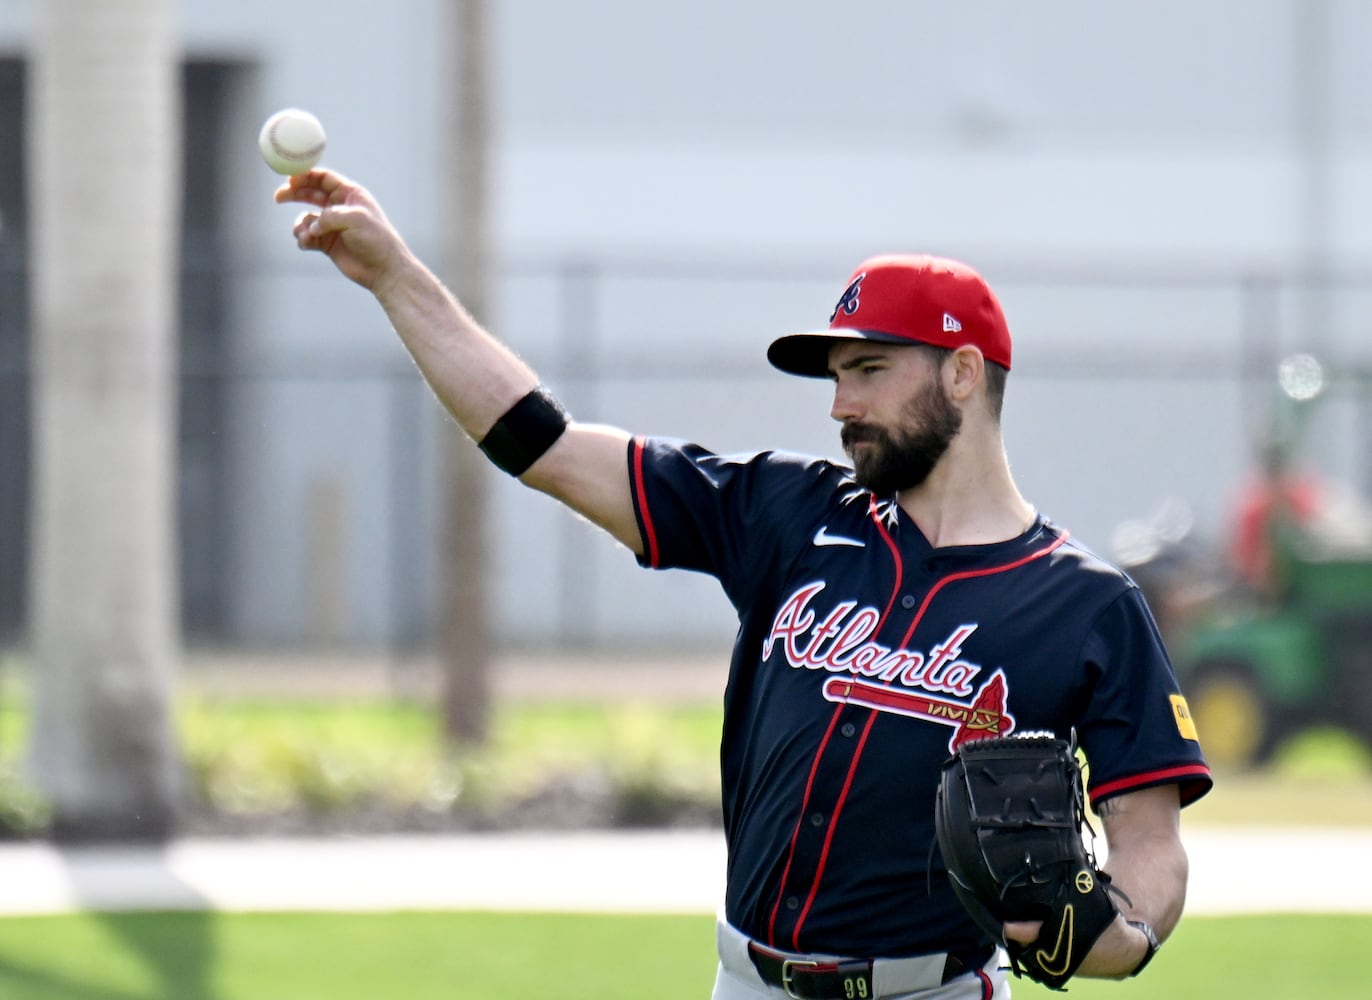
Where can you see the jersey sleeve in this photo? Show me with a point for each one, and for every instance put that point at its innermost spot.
(730, 516)
(1137, 730)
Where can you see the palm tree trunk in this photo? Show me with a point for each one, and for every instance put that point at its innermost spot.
(465, 634)
(103, 620)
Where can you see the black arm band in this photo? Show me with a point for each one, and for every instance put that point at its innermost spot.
(525, 432)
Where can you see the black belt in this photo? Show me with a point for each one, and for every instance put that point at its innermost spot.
(838, 979)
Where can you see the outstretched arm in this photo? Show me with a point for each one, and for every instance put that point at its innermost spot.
(475, 376)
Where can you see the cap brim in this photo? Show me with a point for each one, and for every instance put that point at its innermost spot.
(807, 354)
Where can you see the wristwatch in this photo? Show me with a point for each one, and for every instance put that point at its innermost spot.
(1153, 944)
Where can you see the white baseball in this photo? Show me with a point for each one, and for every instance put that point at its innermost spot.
(291, 141)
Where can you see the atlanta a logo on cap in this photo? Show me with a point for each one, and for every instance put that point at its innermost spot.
(848, 302)
(950, 324)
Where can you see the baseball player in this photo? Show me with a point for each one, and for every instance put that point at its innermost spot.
(888, 612)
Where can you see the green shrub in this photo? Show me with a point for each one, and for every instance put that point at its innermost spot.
(23, 813)
(384, 764)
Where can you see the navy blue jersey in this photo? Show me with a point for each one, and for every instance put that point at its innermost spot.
(863, 657)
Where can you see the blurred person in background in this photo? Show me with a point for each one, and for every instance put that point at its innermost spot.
(1277, 507)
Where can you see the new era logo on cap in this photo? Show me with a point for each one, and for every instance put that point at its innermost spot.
(902, 299)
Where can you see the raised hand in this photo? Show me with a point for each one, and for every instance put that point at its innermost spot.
(347, 224)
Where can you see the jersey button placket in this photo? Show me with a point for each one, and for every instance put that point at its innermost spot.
(816, 826)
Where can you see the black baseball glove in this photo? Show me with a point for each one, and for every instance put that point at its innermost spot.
(1009, 816)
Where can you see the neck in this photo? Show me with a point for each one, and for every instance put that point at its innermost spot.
(970, 498)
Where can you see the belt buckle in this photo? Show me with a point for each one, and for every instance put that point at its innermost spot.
(788, 966)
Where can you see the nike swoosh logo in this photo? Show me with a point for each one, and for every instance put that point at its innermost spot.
(1063, 947)
(822, 537)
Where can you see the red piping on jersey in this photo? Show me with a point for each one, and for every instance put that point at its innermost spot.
(895, 556)
(819, 753)
(641, 494)
(833, 825)
(987, 989)
(857, 752)
(805, 800)
(1152, 778)
(969, 574)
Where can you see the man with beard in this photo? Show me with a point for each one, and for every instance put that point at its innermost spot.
(888, 613)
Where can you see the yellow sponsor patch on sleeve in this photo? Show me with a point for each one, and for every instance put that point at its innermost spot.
(1185, 724)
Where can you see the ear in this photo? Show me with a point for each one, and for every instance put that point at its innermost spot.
(963, 371)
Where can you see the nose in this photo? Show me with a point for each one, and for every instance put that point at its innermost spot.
(845, 405)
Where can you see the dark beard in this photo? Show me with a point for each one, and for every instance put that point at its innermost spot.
(893, 463)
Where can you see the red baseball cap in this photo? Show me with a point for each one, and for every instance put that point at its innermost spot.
(903, 299)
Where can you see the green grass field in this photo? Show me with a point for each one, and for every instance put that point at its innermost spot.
(251, 754)
(428, 956)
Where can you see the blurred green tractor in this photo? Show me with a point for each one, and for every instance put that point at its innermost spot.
(1256, 671)
(1259, 660)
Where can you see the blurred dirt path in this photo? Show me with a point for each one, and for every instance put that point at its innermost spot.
(627, 872)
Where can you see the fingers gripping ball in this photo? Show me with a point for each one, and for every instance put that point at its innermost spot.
(291, 141)
(1009, 816)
